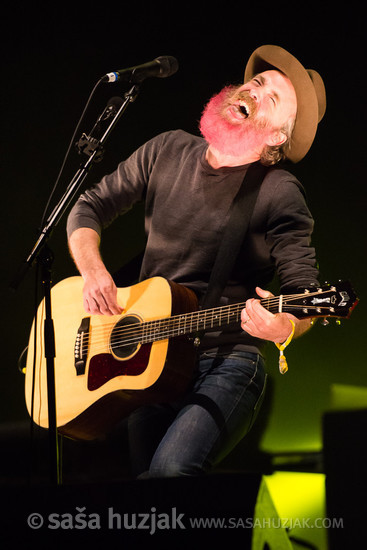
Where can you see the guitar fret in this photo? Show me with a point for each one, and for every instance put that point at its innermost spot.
(211, 319)
(196, 318)
(143, 335)
(181, 330)
(238, 314)
(159, 326)
(200, 318)
(164, 329)
(151, 329)
(204, 319)
(216, 318)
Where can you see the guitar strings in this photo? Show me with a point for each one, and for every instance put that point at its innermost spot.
(139, 336)
(150, 331)
(172, 324)
(224, 313)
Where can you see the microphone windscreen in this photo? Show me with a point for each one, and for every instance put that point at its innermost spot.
(168, 65)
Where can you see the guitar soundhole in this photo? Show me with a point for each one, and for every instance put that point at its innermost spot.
(125, 341)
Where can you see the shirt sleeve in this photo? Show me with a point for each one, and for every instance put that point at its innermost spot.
(290, 227)
(117, 192)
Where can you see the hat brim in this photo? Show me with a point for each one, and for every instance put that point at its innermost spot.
(310, 92)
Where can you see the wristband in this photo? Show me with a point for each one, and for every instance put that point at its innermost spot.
(283, 365)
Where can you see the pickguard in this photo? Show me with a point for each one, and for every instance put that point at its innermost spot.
(104, 366)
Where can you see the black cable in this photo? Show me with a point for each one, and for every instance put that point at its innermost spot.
(68, 150)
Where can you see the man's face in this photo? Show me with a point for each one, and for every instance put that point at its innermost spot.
(269, 96)
(250, 116)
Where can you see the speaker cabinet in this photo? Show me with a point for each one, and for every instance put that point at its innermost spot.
(345, 460)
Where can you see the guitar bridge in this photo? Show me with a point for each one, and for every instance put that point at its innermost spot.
(81, 346)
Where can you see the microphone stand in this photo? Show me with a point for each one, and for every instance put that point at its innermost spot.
(44, 256)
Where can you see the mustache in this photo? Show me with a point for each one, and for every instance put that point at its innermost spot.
(246, 104)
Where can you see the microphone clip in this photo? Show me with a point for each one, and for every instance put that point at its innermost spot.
(91, 144)
(87, 145)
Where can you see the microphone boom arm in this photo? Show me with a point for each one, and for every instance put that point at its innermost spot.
(72, 189)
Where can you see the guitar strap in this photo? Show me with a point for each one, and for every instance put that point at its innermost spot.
(234, 234)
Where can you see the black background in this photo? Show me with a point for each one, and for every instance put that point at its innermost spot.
(52, 56)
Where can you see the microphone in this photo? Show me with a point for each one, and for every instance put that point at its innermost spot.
(160, 67)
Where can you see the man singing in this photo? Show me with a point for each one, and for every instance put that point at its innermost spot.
(188, 184)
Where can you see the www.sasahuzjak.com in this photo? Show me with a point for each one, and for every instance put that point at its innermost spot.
(154, 521)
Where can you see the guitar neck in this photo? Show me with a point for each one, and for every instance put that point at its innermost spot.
(191, 323)
(329, 302)
(205, 320)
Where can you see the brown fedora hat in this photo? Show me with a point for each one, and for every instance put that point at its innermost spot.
(309, 88)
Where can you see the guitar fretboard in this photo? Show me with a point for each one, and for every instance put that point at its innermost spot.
(198, 321)
(190, 323)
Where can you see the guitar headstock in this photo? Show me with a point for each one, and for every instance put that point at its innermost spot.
(329, 300)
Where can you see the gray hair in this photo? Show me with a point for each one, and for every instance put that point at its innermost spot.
(273, 154)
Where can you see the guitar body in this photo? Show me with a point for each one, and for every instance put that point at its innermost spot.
(109, 382)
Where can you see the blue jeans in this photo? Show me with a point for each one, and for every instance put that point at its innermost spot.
(189, 437)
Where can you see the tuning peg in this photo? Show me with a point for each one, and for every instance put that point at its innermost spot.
(325, 322)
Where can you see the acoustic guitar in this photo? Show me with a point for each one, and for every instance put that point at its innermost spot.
(107, 366)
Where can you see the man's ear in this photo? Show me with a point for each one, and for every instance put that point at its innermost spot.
(277, 138)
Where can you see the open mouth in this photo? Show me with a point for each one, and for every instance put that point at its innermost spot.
(243, 108)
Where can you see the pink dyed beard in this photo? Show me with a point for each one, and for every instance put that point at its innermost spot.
(226, 137)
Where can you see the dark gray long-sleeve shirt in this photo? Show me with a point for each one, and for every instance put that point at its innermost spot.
(187, 205)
